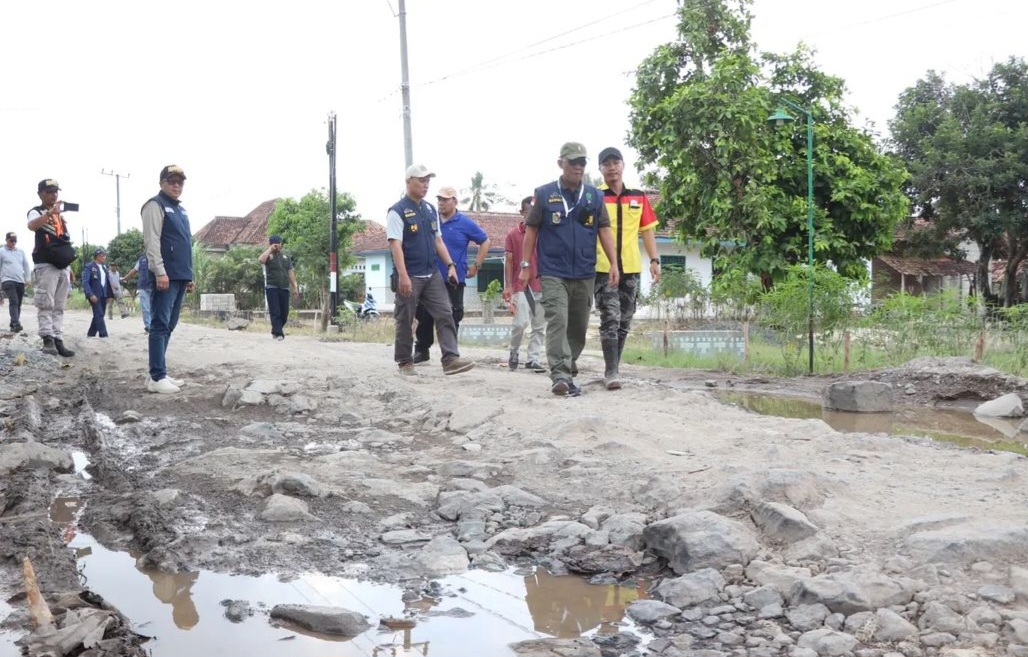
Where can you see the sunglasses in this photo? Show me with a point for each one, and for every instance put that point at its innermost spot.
(178, 182)
(578, 162)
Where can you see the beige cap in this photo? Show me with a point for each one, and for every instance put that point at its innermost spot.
(418, 171)
(446, 192)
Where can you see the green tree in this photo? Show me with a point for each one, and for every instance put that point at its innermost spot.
(966, 147)
(304, 226)
(237, 272)
(738, 185)
(125, 249)
(481, 196)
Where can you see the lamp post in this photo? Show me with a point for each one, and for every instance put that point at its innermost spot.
(778, 118)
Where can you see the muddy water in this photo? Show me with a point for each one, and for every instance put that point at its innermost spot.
(949, 425)
(184, 614)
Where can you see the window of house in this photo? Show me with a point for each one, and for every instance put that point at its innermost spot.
(672, 262)
(376, 267)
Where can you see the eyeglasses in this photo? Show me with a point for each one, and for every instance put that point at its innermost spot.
(175, 181)
(578, 162)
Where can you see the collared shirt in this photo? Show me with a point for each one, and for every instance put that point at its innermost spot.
(14, 265)
(630, 215)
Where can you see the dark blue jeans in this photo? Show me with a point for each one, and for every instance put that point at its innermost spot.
(164, 309)
(14, 292)
(98, 326)
(278, 308)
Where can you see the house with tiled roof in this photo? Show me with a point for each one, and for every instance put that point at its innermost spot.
(222, 233)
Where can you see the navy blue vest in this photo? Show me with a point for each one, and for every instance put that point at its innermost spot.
(566, 246)
(176, 240)
(420, 222)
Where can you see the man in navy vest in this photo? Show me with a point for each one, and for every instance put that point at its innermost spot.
(169, 252)
(415, 240)
(96, 285)
(566, 219)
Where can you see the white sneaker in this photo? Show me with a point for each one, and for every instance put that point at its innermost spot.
(164, 386)
(174, 382)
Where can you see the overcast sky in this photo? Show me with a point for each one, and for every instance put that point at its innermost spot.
(237, 93)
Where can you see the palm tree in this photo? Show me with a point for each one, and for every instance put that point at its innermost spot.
(481, 196)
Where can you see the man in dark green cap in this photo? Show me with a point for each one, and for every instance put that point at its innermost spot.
(567, 218)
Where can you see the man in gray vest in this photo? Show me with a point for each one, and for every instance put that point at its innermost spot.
(279, 278)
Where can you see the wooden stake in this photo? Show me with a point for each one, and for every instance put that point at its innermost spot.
(38, 609)
(746, 342)
(846, 352)
(979, 348)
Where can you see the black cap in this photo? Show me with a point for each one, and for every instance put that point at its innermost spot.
(609, 152)
(172, 170)
(47, 184)
(275, 239)
(99, 252)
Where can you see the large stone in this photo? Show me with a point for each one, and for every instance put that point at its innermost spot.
(580, 647)
(781, 522)
(808, 617)
(859, 397)
(850, 592)
(282, 508)
(32, 455)
(781, 578)
(692, 589)
(892, 626)
(650, 611)
(324, 620)
(827, 642)
(1009, 405)
(517, 540)
(968, 543)
(603, 559)
(937, 617)
(626, 529)
(443, 555)
(763, 596)
(701, 539)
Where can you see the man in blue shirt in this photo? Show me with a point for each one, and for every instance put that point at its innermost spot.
(459, 230)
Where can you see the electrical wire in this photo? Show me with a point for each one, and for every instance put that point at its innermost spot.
(879, 19)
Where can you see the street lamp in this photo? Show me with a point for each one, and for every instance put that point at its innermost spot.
(778, 118)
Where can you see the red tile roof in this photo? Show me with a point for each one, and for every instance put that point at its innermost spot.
(495, 224)
(224, 232)
(934, 267)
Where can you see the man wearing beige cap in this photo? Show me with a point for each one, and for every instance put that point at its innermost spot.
(566, 219)
(459, 230)
(415, 241)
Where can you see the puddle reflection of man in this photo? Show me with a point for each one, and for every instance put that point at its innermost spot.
(174, 589)
(566, 607)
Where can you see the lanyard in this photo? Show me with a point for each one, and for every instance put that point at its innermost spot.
(567, 210)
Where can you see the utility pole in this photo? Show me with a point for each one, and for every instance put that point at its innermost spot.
(117, 192)
(333, 240)
(408, 148)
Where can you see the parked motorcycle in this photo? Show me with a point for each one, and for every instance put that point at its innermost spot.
(368, 311)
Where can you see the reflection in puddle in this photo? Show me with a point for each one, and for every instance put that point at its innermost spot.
(81, 462)
(952, 426)
(478, 612)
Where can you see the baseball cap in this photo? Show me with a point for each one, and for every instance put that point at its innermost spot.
(172, 170)
(275, 239)
(11, 236)
(418, 171)
(608, 153)
(446, 192)
(46, 184)
(572, 150)
(98, 252)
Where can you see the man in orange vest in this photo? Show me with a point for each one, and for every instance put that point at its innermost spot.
(51, 277)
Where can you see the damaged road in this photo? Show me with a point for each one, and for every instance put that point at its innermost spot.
(756, 535)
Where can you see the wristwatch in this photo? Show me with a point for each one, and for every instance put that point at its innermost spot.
(525, 264)
(451, 264)
(655, 261)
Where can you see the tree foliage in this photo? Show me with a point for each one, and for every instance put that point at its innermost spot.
(125, 249)
(304, 227)
(738, 185)
(480, 196)
(966, 147)
(237, 272)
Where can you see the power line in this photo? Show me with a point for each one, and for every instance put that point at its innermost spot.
(879, 19)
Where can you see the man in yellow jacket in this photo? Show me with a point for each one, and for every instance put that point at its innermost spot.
(631, 216)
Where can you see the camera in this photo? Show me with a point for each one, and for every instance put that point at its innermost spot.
(69, 207)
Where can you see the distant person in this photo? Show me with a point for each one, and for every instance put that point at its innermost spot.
(630, 217)
(96, 285)
(51, 277)
(526, 299)
(169, 253)
(567, 218)
(117, 292)
(143, 288)
(415, 241)
(14, 272)
(459, 230)
(279, 278)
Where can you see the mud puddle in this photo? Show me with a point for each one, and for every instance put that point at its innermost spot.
(477, 612)
(948, 425)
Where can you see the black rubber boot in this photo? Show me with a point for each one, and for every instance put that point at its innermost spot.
(48, 345)
(61, 349)
(610, 361)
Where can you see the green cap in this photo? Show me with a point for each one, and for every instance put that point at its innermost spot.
(572, 150)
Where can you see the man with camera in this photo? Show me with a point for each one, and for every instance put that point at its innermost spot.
(51, 277)
(279, 278)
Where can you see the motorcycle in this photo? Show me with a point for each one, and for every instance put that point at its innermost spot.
(367, 311)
